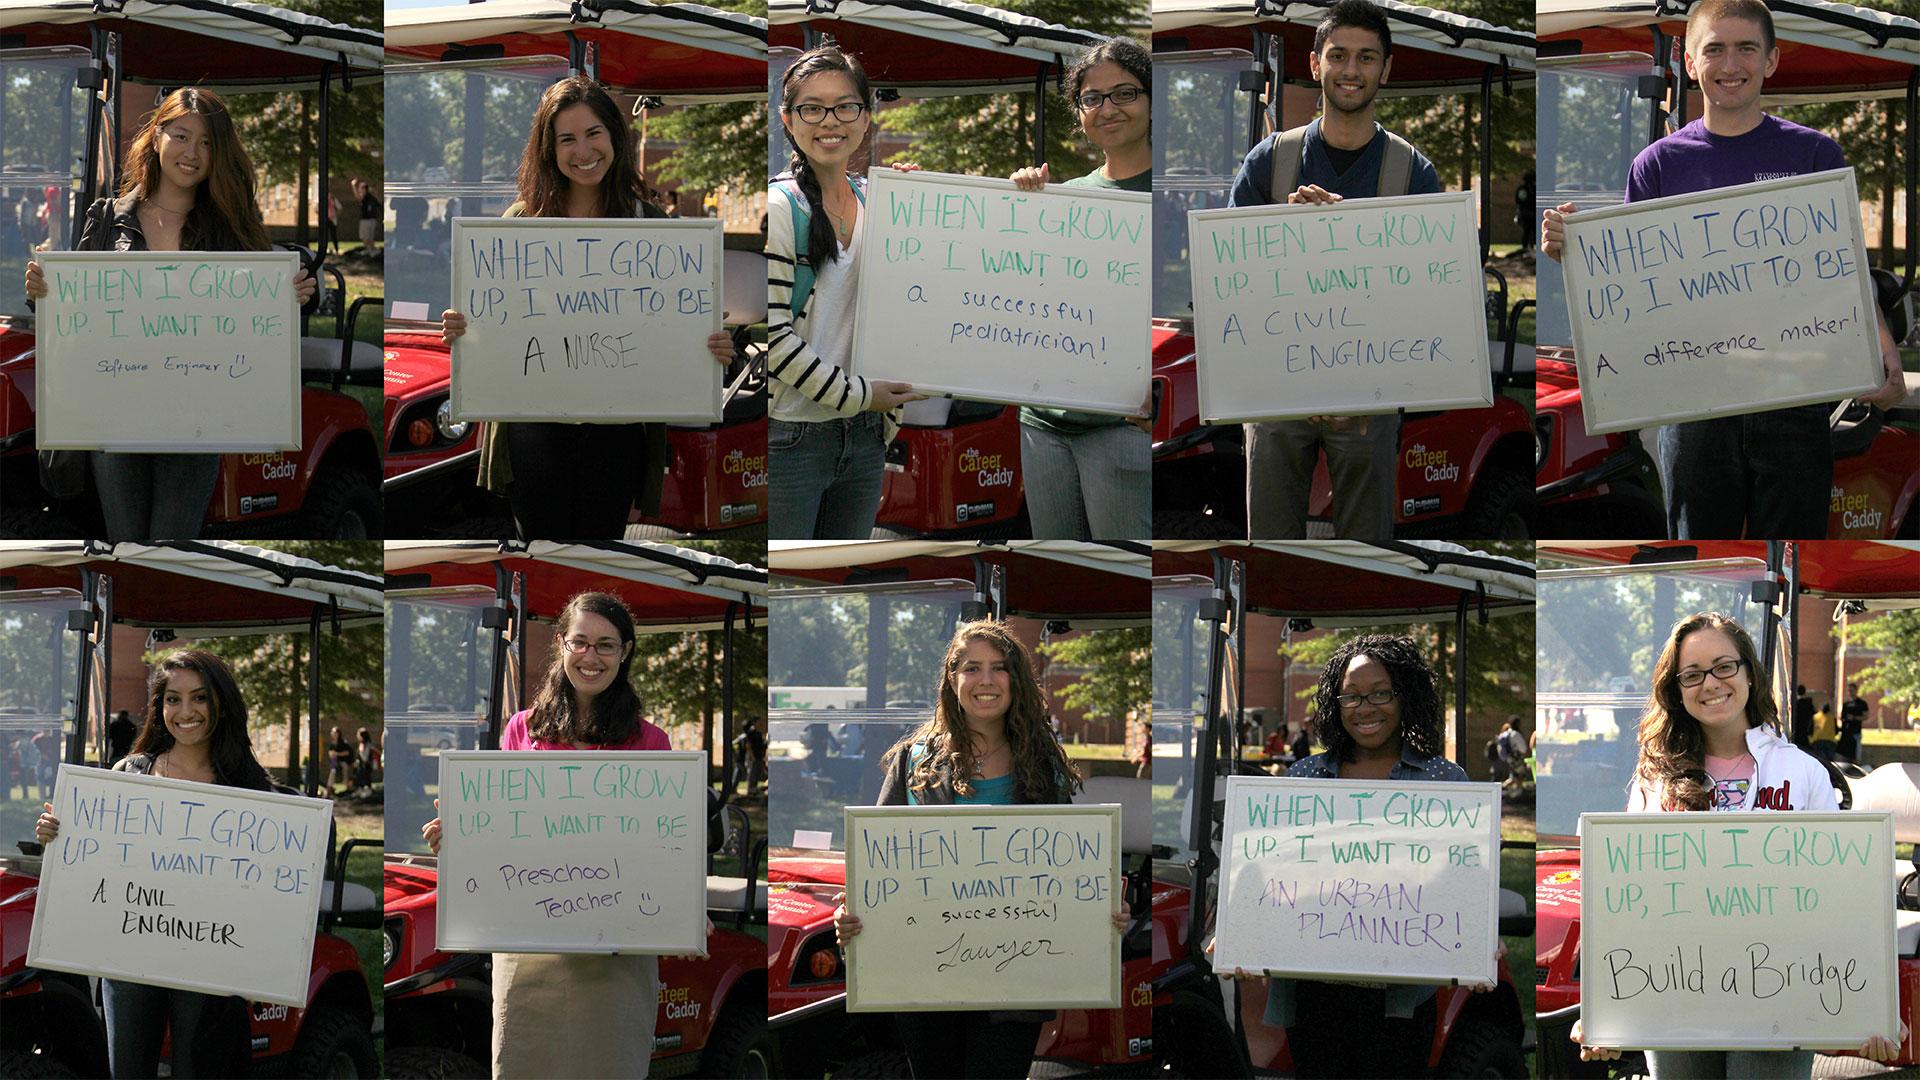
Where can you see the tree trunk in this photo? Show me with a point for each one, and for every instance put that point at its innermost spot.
(1890, 164)
(300, 234)
(293, 714)
(1469, 155)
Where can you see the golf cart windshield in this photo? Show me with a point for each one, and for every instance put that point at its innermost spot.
(439, 675)
(38, 664)
(1599, 632)
(43, 115)
(1180, 666)
(1201, 118)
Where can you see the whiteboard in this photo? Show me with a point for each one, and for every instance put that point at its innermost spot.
(576, 851)
(971, 287)
(1730, 301)
(1361, 880)
(602, 320)
(972, 907)
(1692, 924)
(1365, 306)
(172, 883)
(168, 352)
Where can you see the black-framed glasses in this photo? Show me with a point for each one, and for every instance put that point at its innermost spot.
(608, 649)
(1725, 670)
(1378, 697)
(1093, 99)
(846, 112)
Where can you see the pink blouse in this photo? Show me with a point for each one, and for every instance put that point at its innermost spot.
(645, 737)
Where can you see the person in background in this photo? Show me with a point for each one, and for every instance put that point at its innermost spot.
(1826, 732)
(1853, 718)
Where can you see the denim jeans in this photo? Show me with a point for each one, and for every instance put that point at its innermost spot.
(824, 478)
(1097, 484)
(1280, 460)
(1730, 1064)
(149, 497)
(1765, 476)
(138, 1016)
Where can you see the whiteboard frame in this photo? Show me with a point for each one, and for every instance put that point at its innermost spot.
(1227, 954)
(877, 358)
(697, 840)
(1105, 996)
(1217, 404)
(1884, 901)
(293, 993)
(1575, 274)
(53, 419)
(710, 409)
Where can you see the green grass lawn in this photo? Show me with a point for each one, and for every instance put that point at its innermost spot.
(364, 868)
(1890, 737)
(1516, 873)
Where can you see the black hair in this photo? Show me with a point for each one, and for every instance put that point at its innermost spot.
(615, 711)
(822, 246)
(1420, 719)
(229, 748)
(1361, 14)
(1125, 52)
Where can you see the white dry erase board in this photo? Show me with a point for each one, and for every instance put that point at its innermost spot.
(1361, 879)
(1760, 931)
(983, 907)
(1364, 306)
(193, 886)
(168, 352)
(972, 287)
(1729, 301)
(599, 320)
(550, 851)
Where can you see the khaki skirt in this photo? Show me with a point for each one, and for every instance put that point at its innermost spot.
(573, 1015)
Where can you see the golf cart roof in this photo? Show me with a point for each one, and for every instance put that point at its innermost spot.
(212, 587)
(1433, 50)
(1827, 50)
(1398, 581)
(666, 50)
(173, 42)
(928, 47)
(667, 587)
(1046, 579)
(1883, 573)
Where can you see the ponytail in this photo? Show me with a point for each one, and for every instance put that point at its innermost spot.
(823, 246)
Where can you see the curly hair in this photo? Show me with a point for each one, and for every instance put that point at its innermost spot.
(543, 188)
(229, 747)
(1040, 767)
(1124, 53)
(1673, 749)
(615, 711)
(1421, 723)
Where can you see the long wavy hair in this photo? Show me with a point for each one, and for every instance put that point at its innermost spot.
(615, 712)
(1673, 749)
(233, 762)
(822, 246)
(1040, 766)
(1421, 721)
(226, 213)
(543, 188)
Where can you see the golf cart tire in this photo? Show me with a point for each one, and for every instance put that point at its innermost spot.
(26, 524)
(327, 1034)
(340, 495)
(1500, 507)
(741, 1046)
(1182, 524)
(20, 1065)
(1482, 1048)
(876, 1065)
(433, 1063)
(1191, 1039)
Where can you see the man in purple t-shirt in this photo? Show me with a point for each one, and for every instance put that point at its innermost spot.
(1761, 475)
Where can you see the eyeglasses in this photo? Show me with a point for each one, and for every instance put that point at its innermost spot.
(846, 112)
(1093, 99)
(1724, 671)
(1378, 697)
(607, 649)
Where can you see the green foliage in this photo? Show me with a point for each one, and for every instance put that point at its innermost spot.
(681, 677)
(722, 145)
(1896, 675)
(1447, 128)
(1118, 670)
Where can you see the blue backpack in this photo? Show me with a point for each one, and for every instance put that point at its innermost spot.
(803, 274)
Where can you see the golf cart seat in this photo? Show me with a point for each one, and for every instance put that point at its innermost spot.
(729, 894)
(743, 287)
(320, 357)
(1896, 787)
(1135, 796)
(360, 909)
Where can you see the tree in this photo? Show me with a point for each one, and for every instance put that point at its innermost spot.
(722, 145)
(1897, 673)
(1117, 675)
(1446, 128)
(681, 676)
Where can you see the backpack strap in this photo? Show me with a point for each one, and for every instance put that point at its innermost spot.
(803, 272)
(1396, 166)
(914, 753)
(1288, 146)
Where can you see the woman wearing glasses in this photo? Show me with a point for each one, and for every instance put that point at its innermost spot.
(1088, 474)
(577, 1014)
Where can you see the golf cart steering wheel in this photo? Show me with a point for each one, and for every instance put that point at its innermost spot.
(1842, 790)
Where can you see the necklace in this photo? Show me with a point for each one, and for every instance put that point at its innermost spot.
(154, 205)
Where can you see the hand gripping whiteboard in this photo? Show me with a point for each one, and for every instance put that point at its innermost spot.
(972, 287)
(1364, 306)
(598, 320)
(1360, 880)
(193, 886)
(576, 851)
(1730, 301)
(1770, 930)
(168, 352)
(983, 907)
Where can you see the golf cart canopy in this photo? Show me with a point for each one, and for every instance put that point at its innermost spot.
(230, 44)
(1045, 579)
(215, 588)
(1433, 50)
(926, 48)
(1882, 573)
(1396, 582)
(671, 51)
(668, 588)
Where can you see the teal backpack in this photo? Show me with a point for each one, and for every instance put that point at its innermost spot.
(803, 274)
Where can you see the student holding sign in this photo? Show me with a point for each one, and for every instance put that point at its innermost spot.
(195, 729)
(187, 186)
(1345, 154)
(1089, 474)
(1768, 474)
(577, 481)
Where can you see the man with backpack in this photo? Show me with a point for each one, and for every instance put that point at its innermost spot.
(1345, 154)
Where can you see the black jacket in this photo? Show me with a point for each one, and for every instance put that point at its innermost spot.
(113, 225)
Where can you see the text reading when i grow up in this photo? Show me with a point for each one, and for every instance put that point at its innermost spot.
(1038, 242)
(1334, 276)
(1685, 263)
(1328, 863)
(140, 296)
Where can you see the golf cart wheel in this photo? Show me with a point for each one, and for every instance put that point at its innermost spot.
(1191, 1039)
(1500, 507)
(20, 1065)
(344, 504)
(1480, 1048)
(878, 1065)
(741, 1047)
(432, 1063)
(334, 1044)
(1180, 524)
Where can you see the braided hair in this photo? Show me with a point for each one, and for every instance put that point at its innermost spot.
(822, 246)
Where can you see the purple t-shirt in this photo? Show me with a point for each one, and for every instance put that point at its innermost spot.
(1695, 159)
